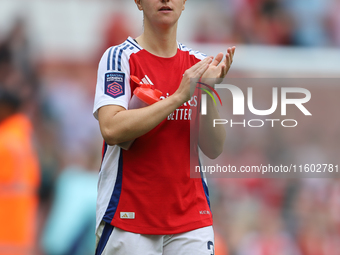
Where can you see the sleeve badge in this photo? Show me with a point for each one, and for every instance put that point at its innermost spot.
(115, 84)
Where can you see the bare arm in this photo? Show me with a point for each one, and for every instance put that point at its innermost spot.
(211, 139)
(119, 125)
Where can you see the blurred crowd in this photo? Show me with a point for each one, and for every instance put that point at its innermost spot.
(278, 216)
(252, 216)
(272, 22)
(62, 136)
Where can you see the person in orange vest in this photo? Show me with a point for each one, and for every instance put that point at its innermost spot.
(19, 179)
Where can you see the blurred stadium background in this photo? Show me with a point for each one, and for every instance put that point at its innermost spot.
(49, 51)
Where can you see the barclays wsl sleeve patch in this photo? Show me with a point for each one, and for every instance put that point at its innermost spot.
(115, 84)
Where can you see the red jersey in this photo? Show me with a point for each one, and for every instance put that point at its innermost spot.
(147, 189)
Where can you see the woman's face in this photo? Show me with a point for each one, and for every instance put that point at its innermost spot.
(161, 12)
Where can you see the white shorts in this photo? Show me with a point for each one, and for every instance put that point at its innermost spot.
(115, 241)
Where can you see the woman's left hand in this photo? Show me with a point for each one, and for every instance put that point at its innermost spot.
(218, 69)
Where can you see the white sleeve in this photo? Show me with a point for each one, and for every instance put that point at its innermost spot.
(113, 80)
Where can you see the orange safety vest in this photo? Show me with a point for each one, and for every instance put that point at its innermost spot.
(19, 180)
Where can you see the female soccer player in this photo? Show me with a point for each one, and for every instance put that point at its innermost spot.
(147, 203)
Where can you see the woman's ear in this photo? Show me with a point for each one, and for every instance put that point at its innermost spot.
(183, 5)
(139, 5)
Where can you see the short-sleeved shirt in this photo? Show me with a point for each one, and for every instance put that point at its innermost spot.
(147, 189)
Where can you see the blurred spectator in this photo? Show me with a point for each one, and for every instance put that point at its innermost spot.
(5, 61)
(17, 68)
(309, 21)
(18, 74)
(70, 225)
(19, 179)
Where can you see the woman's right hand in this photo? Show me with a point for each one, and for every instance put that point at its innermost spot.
(187, 87)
